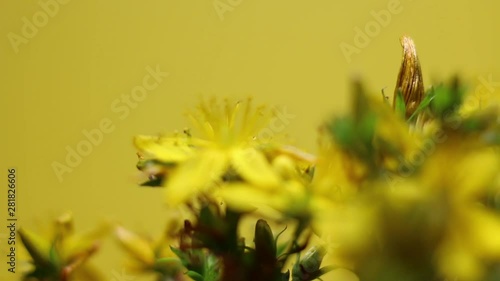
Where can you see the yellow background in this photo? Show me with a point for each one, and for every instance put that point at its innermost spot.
(65, 78)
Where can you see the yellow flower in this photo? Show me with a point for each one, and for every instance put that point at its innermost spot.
(146, 252)
(369, 144)
(433, 223)
(470, 240)
(150, 255)
(64, 255)
(236, 147)
(434, 220)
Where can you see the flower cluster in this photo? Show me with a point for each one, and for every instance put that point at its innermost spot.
(407, 190)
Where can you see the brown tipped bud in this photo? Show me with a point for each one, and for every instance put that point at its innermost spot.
(410, 81)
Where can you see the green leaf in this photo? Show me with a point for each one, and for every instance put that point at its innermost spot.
(447, 98)
(212, 269)
(343, 132)
(443, 101)
(184, 258)
(168, 266)
(38, 248)
(422, 106)
(208, 217)
(167, 261)
(400, 106)
(361, 103)
(195, 276)
(280, 249)
(473, 124)
(366, 128)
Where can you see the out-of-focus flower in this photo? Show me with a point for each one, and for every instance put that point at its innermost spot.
(469, 241)
(63, 255)
(365, 145)
(432, 223)
(148, 255)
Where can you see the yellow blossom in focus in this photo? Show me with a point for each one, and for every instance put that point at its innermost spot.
(232, 149)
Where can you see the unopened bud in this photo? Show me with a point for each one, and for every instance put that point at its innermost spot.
(410, 81)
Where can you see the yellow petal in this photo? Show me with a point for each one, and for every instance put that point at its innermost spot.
(138, 247)
(456, 261)
(483, 228)
(392, 130)
(197, 174)
(244, 197)
(253, 166)
(163, 149)
(352, 232)
(477, 172)
(80, 243)
(87, 272)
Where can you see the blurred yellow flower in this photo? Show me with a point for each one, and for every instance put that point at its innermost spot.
(409, 202)
(434, 223)
(150, 255)
(64, 255)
